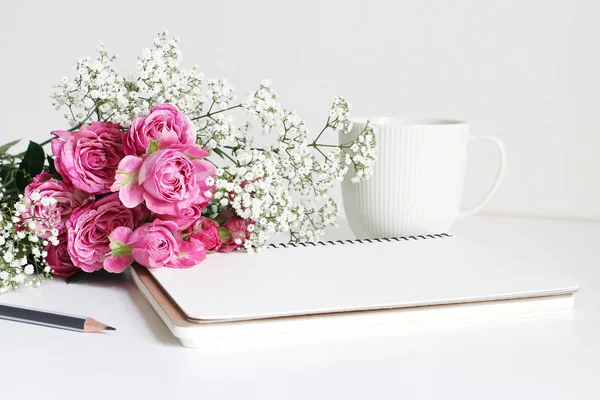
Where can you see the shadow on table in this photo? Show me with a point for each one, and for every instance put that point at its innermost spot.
(100, 278)
(156, 326)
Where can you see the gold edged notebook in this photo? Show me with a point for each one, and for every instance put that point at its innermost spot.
(293, 294)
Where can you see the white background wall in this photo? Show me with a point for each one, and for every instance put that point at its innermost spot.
(527, 71)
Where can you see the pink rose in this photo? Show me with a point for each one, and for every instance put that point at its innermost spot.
(165, 122)
(206, 231)
(156, 244)
(88, 159)
(89, 228)
(169, 180)
(58, 258)
(53, 216)
(186, 217)
(233, 234)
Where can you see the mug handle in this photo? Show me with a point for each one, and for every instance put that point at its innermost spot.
(499, 175)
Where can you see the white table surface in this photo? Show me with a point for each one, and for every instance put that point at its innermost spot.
(551, 357)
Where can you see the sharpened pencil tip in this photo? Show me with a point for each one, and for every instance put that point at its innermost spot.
(110, 328)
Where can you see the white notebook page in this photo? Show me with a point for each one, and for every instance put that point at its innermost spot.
(351, 277)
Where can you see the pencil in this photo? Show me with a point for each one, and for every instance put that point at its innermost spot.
(53, 320)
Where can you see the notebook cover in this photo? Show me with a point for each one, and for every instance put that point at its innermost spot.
(337, 327)
(346, 277)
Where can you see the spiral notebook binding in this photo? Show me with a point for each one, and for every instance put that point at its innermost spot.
(359, 241)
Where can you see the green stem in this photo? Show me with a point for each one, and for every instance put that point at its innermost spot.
(73, 129)
(211, 107)
(234, 148)
(341, 146)
(322, 130)
(225, 155)
(208, 141)
(208, 114)
(323, 154)
(79, 125)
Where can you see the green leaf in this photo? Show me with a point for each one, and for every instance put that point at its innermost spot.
(94, 277)
(153, 146)
(75, 277)
(220, 220)
(33, 160)
(52, 169)
(219, 152)
(119, 249)
(225, 234)
(5, 147)
(22, 179)
(8, 174)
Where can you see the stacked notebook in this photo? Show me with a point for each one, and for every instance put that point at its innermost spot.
(336, 290)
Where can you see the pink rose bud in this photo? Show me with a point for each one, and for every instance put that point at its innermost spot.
(225, 216)
(127, 181)
(233, 234)
(191, 253)
(88, 159)
(58, 258)
(206, 231)
(165, 123)
(120, 256)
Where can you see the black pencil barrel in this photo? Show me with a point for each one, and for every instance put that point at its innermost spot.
(41, 318)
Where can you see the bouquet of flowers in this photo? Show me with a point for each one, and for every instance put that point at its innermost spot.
(154, 170)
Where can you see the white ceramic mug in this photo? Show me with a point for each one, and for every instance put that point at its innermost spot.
(417, 182)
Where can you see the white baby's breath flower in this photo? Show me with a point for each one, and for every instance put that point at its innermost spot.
(283, 185)
(47, 201)
(21, 246)
(35, 196)
(20, 207)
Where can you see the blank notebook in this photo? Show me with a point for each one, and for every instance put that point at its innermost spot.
(346, 278)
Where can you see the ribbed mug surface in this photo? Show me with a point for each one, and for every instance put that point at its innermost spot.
(417, 182)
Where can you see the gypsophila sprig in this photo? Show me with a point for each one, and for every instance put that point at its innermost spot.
(22, 242)
(99, 90)
(164, 167)
(276, 182)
